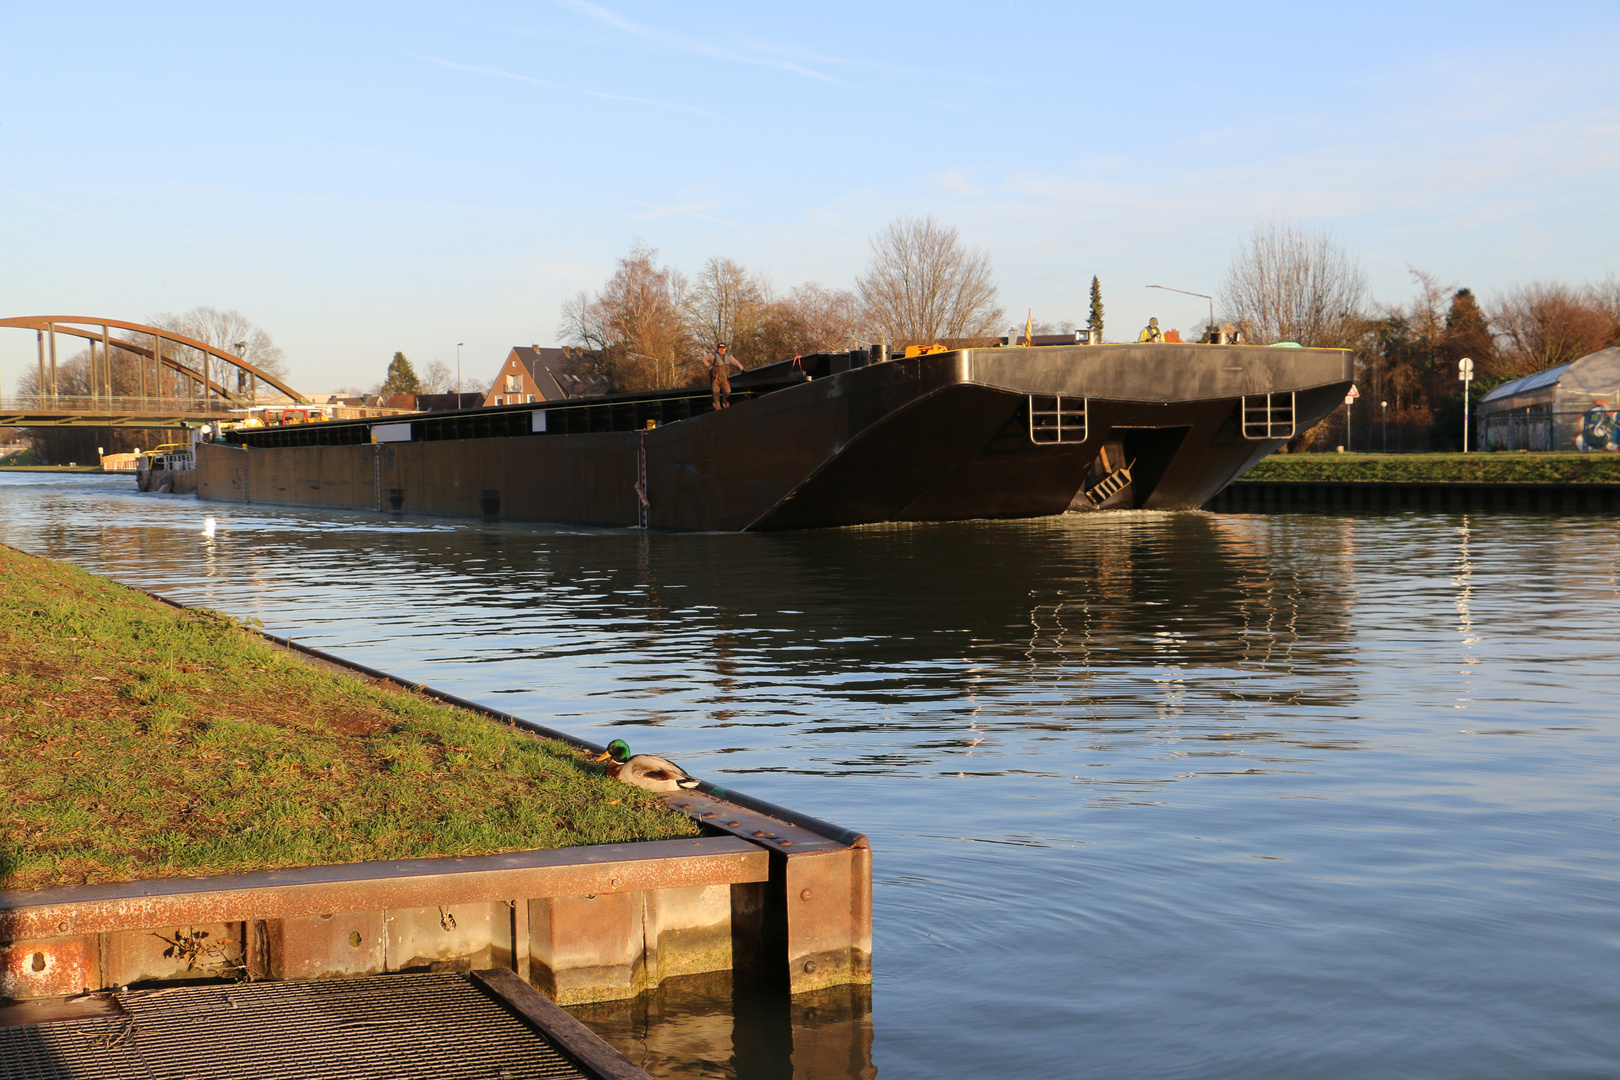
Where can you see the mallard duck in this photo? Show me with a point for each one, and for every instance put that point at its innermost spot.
(645, 770)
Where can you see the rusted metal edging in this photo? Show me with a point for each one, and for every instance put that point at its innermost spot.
(407, 883)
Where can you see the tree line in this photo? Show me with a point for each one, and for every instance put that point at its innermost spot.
(650, 326)
(1288, 284)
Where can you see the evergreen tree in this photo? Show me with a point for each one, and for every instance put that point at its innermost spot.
(1468, 334)
(1095, 322)
(401, 378)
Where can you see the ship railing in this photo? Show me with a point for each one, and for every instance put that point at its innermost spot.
(1269, 416)
(1054, 419)
(174, 460)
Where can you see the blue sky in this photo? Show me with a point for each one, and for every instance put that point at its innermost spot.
(364, 178)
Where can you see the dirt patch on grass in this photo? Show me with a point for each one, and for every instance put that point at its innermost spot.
(144, 741)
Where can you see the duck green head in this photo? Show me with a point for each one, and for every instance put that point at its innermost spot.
(618, 750)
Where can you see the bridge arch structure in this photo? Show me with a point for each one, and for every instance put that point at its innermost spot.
(159, 362)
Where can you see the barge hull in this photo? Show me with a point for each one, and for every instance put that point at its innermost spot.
(933, 438)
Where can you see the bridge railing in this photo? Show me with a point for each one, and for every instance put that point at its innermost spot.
(151, 405)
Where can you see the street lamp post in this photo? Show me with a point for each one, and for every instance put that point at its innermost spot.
(459, 344)
(1187, 292)
(1383, 407)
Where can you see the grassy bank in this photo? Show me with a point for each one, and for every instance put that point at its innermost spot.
(1498, 468)
(142, 741)
(51, 468)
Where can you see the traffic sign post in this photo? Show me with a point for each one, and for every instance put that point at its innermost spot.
(1465, 372)
(1349, 400)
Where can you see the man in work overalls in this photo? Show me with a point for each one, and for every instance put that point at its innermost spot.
(720, 375)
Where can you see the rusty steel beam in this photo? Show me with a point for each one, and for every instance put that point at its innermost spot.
(53, 322)
(376, 886)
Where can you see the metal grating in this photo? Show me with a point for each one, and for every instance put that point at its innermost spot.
(1268, 416)
(1055, 419)
(437, 1026)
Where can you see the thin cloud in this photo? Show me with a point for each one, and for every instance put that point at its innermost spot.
(654, 211)
(689, 45)
(955, 181)
(501, 73)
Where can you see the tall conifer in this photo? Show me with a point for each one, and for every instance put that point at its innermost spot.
(401, 377)
(1095, 322)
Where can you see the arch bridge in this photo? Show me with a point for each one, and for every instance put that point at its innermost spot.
(162, 378)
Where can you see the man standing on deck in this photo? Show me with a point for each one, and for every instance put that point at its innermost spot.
(720, 375)
(1150, 333)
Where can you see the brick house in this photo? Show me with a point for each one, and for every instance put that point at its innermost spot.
(531, 373)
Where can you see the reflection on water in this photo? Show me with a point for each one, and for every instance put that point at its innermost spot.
(703, 1025)
(1149, 794)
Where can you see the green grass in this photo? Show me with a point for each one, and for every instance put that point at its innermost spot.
(141, 741)
(1496, 468)
(50, 468)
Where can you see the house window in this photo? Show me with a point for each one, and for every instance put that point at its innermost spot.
(531, 399)
(514, 383)
(500, 401)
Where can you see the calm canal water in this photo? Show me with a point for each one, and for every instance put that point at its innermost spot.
(1151, 795)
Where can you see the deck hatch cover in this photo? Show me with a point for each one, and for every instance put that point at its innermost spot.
(1054, 419)
(1268, 416)
(427, 1025)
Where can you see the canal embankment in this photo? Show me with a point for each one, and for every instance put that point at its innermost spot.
(189, 797)
(1510, 482)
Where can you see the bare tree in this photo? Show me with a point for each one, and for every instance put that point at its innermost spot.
(633, 328)
(1542, 326)
(923, 285)
(436, 378)
(812, 319)
(1290, 285)
(224, 330)
(727, 303)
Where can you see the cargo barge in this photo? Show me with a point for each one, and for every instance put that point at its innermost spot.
(826, 440)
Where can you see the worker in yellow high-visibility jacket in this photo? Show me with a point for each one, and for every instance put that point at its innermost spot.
(1150, 333)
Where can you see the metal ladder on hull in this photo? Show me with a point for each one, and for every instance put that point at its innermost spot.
(1113, 482)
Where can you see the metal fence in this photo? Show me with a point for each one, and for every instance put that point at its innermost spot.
(1596, 429)
(1374, 437)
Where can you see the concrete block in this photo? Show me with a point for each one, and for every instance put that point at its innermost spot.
(459, 937)
(588, 948)
(325, 946)
(180, 952)
(688, 931)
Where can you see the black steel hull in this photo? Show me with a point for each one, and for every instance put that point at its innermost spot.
(934, 438)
